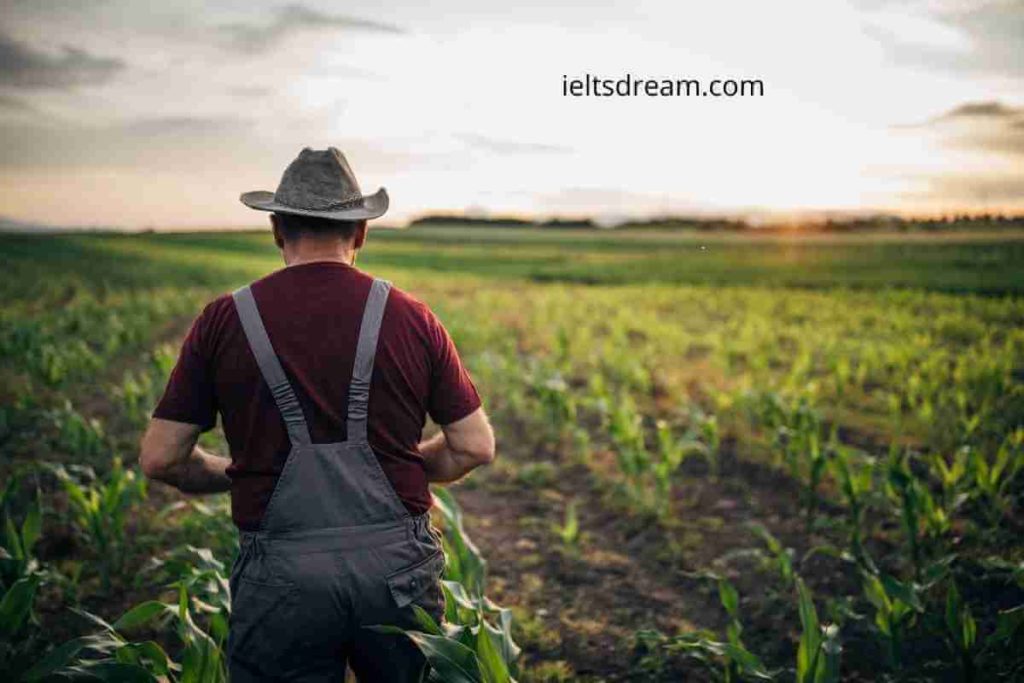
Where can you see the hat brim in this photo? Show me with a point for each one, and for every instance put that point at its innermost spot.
(371, 206)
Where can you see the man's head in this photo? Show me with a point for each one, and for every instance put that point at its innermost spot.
(308, 235)
(318, 206)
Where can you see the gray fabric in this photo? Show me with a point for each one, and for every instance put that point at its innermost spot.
(366, 351)
(320, 183)
(298, 613)
(332, 486)
(270, 366)
(337, 549)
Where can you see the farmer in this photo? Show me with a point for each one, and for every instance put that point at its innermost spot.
(322, 376)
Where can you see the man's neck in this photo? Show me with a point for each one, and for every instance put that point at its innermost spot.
(312, 252)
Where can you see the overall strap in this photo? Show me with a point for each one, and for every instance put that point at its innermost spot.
(270, 366)
(366, 350)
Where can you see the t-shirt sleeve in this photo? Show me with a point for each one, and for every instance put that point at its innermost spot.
(452, 393)
(189, 396)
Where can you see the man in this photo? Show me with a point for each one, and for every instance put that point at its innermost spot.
(322, 376)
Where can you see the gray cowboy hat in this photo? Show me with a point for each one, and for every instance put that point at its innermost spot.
(319, 183)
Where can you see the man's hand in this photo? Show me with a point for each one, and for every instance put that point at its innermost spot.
(169, 454)
(459, 448)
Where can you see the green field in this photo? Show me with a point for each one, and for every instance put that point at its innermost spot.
(711, 447)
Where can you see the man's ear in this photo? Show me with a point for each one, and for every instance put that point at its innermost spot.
(360, 235)
(278, 238)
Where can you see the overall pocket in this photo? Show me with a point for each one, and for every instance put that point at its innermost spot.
(262, 625)
(420, 584)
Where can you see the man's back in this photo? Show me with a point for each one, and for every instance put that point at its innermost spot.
(323, 377)
(312, 314)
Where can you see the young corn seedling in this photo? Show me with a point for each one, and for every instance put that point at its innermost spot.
(16, 559)
(798, 444)
(896, 608)
(76, 435)
(101, 509)
(728, 659)
(817, 655)
(961, 631)
(856, 482)
(781, 558)
(671, 453)
(625, 426)
(907, 492)
(569, 531)
(20, 578)
(952, 476)
(704, 438)
(557, 404)
(992, 480)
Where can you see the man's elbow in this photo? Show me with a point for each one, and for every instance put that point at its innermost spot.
(151, 461)
(150, 464)
(485, 451)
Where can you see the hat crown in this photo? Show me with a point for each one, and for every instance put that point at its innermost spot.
(318, 180)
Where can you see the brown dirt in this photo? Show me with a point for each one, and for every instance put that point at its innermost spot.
(632, 572)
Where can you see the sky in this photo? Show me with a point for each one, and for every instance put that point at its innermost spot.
(119, 113)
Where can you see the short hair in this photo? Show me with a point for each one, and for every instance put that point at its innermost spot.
(293, 227)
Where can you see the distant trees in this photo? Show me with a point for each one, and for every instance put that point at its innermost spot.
(876, 223)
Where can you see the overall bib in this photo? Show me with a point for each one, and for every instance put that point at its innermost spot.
(336, 549)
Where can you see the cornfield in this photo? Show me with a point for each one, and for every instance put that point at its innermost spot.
(721, 469)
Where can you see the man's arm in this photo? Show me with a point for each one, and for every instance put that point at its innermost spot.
(169, 454)
(458, 448)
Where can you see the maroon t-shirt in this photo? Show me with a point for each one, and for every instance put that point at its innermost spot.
(312, 313)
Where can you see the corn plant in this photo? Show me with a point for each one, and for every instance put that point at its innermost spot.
(991, 481)
(463, 561)
(16, 559)
(76, 434)
(110, 655)
(797, 443)
(20, 578)
(817, 655)
(461, 652)
(465, 614)
(961, 631)
(952, 477)
(137, 392)
(855, 476)
(474, 645)
(781, 558)
(670, 456)
(897, 605)
(703, 437)
(569, 531)
(625, 427)
(909, 495)
(100, 510)
(206, 523)
(727, 659)
(557, 404)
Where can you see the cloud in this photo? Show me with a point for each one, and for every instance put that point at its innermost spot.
(15, 104)
(22, 66)
(991, 109)
(291, 19)
(989, 37)
(511, 146)
(991, 127)
(163, 141)
(974, 189)
(611, 204)
(251, 91)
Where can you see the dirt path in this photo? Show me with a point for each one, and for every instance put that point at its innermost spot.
(584, 606)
